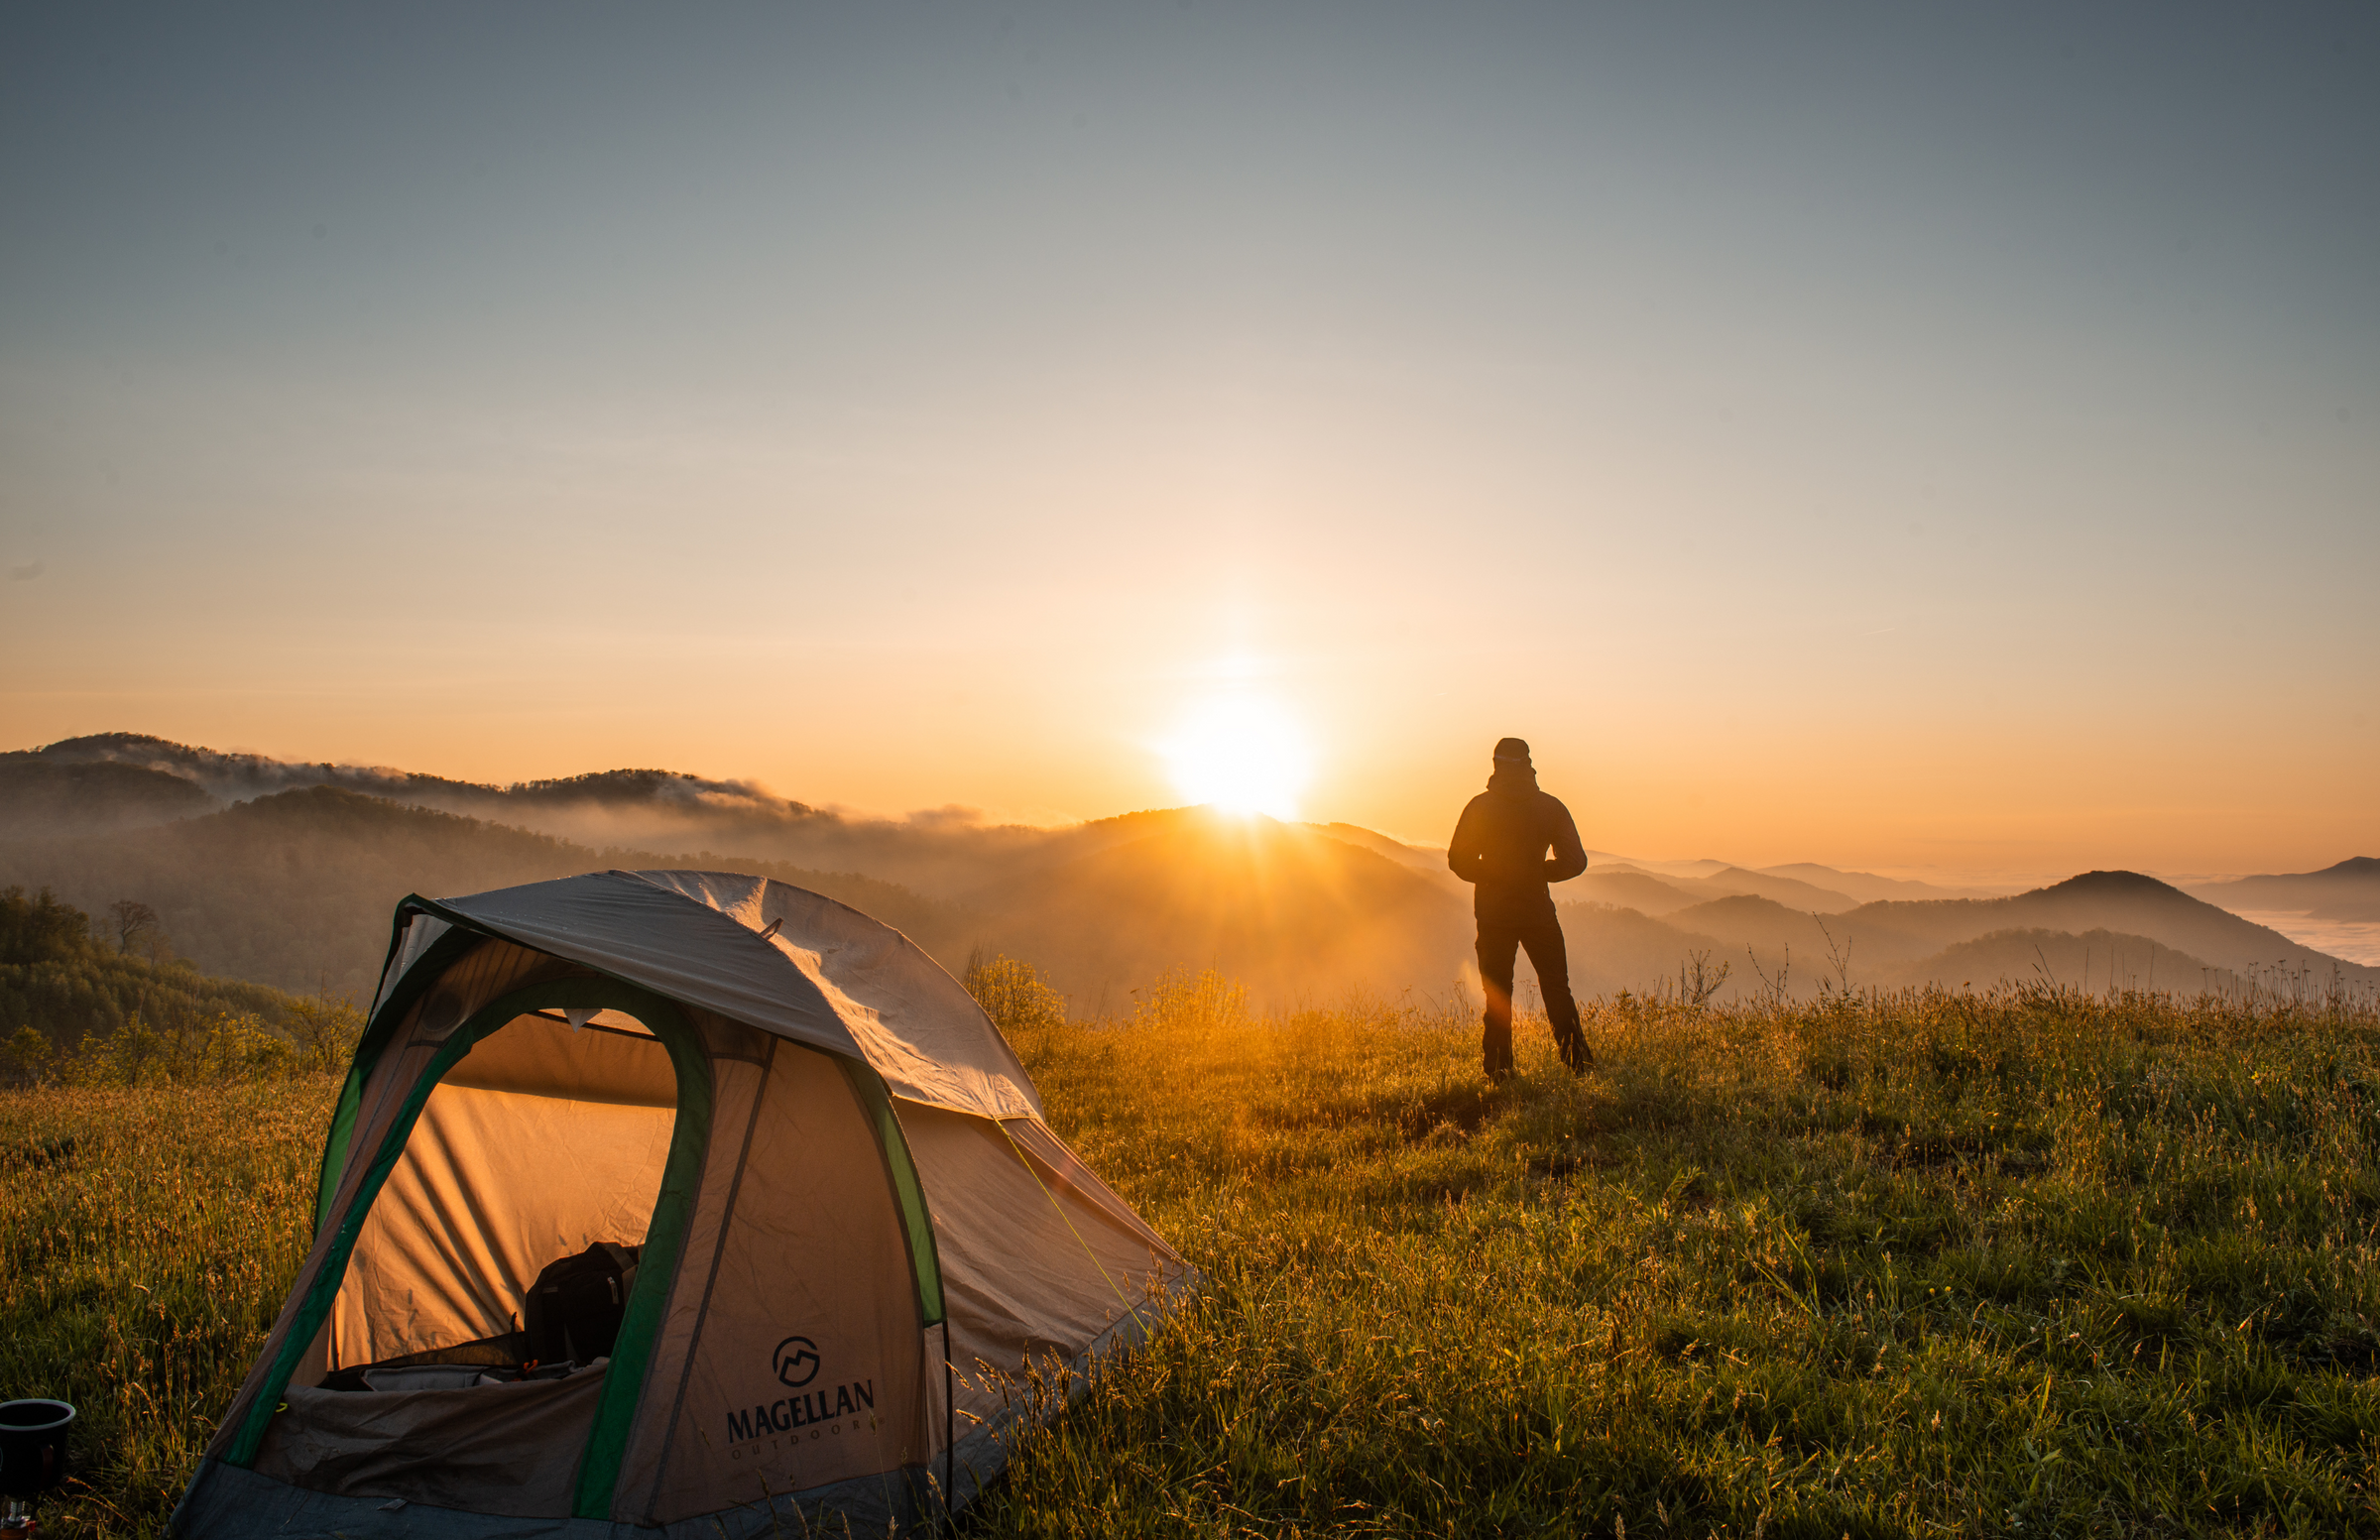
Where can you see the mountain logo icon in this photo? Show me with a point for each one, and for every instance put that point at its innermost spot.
(796, 1362)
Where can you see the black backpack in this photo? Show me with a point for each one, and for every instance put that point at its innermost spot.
(573, 1310)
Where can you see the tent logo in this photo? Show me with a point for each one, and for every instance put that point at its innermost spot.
(796, 1362)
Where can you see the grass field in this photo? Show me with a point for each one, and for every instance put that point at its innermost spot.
(2026, 1264)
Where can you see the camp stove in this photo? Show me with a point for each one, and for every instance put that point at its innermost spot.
(33, 1459)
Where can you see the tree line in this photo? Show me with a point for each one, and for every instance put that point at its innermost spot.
(78, 1007)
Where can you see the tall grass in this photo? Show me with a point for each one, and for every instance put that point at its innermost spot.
(2019, 1263)
(2023, 1263)
(147, 1239)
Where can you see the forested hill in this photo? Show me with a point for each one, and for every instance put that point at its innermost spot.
(111, 782)
(64, 982)
(297, 889)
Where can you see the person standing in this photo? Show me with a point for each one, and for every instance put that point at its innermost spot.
(1501, 848)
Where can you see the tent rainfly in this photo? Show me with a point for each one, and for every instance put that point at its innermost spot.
(808, 1174)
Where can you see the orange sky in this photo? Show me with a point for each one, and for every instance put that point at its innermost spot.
(1898, 446)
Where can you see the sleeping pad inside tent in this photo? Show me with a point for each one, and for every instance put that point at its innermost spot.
(672, 1203)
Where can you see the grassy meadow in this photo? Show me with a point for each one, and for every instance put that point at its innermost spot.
(2020, 1263)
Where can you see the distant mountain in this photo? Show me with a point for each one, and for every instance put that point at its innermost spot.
(234, 777)
(296, 889)
(2095, 960)
(1627, 888)
(2349, 890)
(1790, 892)
(1427, 860)
(291, 884)
(41, 797)
(2160, 932)
(1630, 886)
(1868, 888)
(2122, 901)
(1612, 950)
(1292, 912)
(1665, 869)
(646, 809)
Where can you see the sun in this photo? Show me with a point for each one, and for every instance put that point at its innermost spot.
(1242, 753)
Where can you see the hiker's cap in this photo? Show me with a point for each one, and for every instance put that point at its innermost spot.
(1512, 749)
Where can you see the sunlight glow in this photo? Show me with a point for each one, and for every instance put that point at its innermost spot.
(1242, 753)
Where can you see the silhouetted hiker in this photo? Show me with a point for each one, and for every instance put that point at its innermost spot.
(1499, 848)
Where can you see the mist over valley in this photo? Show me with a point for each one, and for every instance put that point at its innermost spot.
(283, 874)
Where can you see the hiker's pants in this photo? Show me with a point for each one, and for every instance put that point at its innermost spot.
(1502, 937)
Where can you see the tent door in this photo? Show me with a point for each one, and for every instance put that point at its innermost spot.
(664, 1238)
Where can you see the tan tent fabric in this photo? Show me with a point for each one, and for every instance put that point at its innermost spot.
(1064, 1170)
(795, 1378)
(493, 1186)
(739, 1085)
(489, 970)
(540, 1057)
(1034, 1269)
(492, 1449)
(813, 1252)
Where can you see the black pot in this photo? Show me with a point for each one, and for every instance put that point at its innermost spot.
(32, 1446)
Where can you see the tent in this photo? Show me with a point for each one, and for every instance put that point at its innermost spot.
(862, 1257)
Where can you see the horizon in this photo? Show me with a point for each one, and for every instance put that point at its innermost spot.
(1910, 444)
(952, 814)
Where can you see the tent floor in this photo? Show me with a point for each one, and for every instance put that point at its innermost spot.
(227, 1500)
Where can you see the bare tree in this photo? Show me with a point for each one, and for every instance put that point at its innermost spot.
(1698, 981)
(1839, 958)
(132, 918)
(1776, 991)
(327, 1031)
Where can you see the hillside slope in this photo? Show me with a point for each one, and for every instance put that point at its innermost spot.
(293, 884)
(1868, 888)
(639, 810)
(2099, 961)
(296, 889)
(2349, 890)
(62, 980)
(1290, 913)
(40, 798)
(2122, 901)
(1627, 888)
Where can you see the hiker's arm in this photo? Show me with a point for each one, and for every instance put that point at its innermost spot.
(1462, 854)
(1570, 855)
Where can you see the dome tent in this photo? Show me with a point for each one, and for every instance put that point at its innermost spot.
(854, 1233)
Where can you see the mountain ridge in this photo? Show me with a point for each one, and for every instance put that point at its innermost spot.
(2349, 890)
(293, 887)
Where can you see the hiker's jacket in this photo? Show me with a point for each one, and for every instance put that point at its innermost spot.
(1501, 846)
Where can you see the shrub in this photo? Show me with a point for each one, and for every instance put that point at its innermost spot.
(1013, 994)
(226, 1047)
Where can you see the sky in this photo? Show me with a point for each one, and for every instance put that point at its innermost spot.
(1918, 438)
